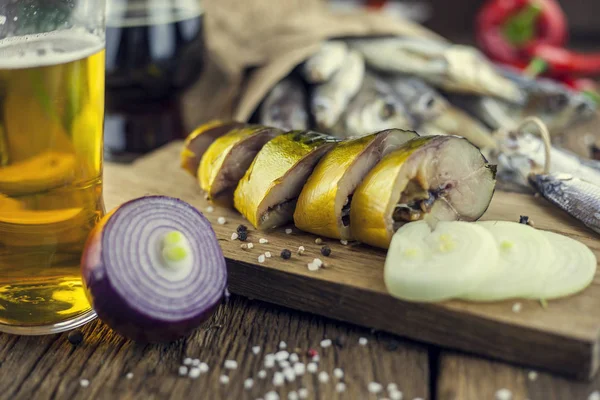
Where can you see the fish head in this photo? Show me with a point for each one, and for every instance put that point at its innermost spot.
(380, 113)
(518, 156)
(324, 111)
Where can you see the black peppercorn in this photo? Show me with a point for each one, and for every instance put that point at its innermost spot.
(286, 254)
(242, 235)
(326, 251)
(75, 337)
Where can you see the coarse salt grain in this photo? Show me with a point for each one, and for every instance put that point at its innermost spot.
(224, 379)
(594, 396)
(312, 367)
(532, 375)
(194, 373)
(395, 395)
(301, 250)
(299, 368)
(316, 358)
(195, 362)
(289, 374)
(272, 395)
(312, 267)
(282, 355)
(210, 209)
(284, 364)
(278, 378)
(230, 364)
(325, 343)
(294, 358)
(318, 241)
(392, 387)
(340, 387)
(303, 393)
(323, 377)
(282, 345)
(344, 242)
(338, 373)
(269, 362)
(318, 262)
(187, 361)
(363, 341)
(293, 395)
(255, 349)
(517, 307)
(248, 383)
(203, 367)
(503, 394)
(262, 374)
(374, 387)
(268, 254)
(261, 258)
(234, 236)
(263, 241)
(244, 246)
(183, 370)
(288, 231)
(84, 383)
(129, 375)
(221, 220)
(250, 245)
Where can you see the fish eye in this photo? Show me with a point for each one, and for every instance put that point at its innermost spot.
(557, 102)
(583, 108)
(387, 111)
(428, 102)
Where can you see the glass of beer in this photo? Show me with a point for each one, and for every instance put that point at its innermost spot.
(52, 67)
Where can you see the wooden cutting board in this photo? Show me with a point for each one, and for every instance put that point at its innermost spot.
(562, 338)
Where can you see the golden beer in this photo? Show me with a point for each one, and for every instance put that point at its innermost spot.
(51, 122)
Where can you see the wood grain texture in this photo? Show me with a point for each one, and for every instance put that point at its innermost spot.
(49, 367)
(562, 338)
(464, 377)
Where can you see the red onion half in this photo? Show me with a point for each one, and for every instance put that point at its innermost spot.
(153, 269)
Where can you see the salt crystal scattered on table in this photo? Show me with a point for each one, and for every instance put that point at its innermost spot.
(289, 374)
(250, 245)
(248, 383)
(183, 370)
(282, 355)
(221, 220)
(374, 387)
(293, 395)
(294, 358)
(256, 349)
(395, 395)
(323, 377)
(299, 368)
(532, 375)
(340, 387)
(338, 373)
(261, 258)
(325, 343)
(263, 241)
(301, 250)
(282, 345)
(129, 375)
(187, 361)
(517, 307)
(318, 262)
(318, 241)
(594, 396)
(84, 383)
(194, 372)
(303, 393)
(203, 367)
(363, 341)
(262, 374)
(392, 387)
(195, 362)
(316, 358)
(278, 378)
(312, 267)
(504, 394)
(268, 254)
(224, 379)
(269, 362)
(312, 367)
(210, 209)
(344, 242)
(234, 236)
(288, 231)
(230, 364)
(272, 395)
(284, 364)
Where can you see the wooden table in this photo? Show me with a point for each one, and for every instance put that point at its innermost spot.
(51, 367)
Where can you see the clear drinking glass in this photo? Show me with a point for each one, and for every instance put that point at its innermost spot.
(52, 64)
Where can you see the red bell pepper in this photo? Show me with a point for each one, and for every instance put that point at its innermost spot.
(504, 27)
(561, 61)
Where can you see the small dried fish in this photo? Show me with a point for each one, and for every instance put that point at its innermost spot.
(452, 67)
(454, 121)
(285, 107)
(321, 66)
(581, 199)
(331, 98)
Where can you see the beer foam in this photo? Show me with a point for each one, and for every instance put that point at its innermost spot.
(46, 49)
(141, 14)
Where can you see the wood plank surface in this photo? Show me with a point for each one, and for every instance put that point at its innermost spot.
(562, 338)
(49, 367)
(463, 377)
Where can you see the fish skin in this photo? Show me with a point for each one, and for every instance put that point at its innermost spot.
(454, 121)
(285, 107)
(376, 107)
(330, 99)
(321, 66)
(577, 197)
(456, 68)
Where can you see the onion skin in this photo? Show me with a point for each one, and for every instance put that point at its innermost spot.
(116, 311)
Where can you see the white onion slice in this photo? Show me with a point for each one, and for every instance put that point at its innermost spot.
(426, 265)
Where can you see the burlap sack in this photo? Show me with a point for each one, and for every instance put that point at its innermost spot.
(252, 44)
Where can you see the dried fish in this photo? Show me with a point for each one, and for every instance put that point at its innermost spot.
(285, 107)
(321, 66)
